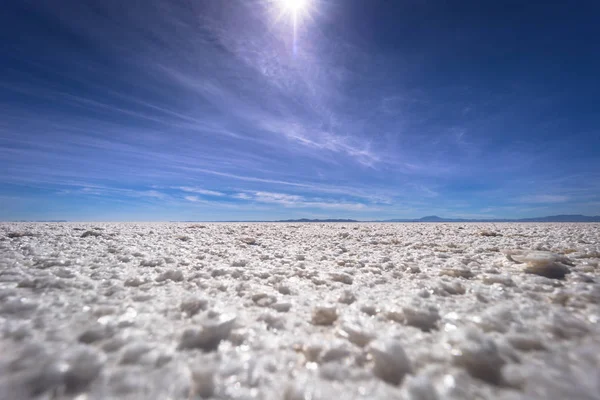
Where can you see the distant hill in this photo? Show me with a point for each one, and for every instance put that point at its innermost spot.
(563, 218)
(428, 219)
(431, 218)
(435, 218)
(551, 218)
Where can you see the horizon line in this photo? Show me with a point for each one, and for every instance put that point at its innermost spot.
(426, 219)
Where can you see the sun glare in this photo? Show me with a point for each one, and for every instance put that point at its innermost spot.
(297, 11)
(294, 6)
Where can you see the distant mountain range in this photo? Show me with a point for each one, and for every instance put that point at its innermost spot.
(430, 218)
(435, 218)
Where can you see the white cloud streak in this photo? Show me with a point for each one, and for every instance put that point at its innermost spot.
(204, 192)
(294, 201)
(544, 198)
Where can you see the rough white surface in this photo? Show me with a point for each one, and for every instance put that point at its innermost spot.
(299, 311)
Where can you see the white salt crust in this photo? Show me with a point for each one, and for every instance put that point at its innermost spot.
(299, 311)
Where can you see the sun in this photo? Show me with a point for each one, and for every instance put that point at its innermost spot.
(295, 8)
(293, 13)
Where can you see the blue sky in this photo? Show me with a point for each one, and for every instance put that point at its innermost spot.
(207, 110)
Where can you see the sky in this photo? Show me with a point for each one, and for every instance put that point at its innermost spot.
(157, 110)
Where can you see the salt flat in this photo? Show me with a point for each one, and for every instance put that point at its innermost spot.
(299, 311)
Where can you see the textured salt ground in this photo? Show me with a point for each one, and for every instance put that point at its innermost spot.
(299, 311)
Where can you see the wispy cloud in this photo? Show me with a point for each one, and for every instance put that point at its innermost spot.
(194, 199)
(278, 198)
(544, 198)
(201, 191)
(102, 190)
(307, 131)
(242, 196)
(370, 193)
(294, 201)
(315, 138)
